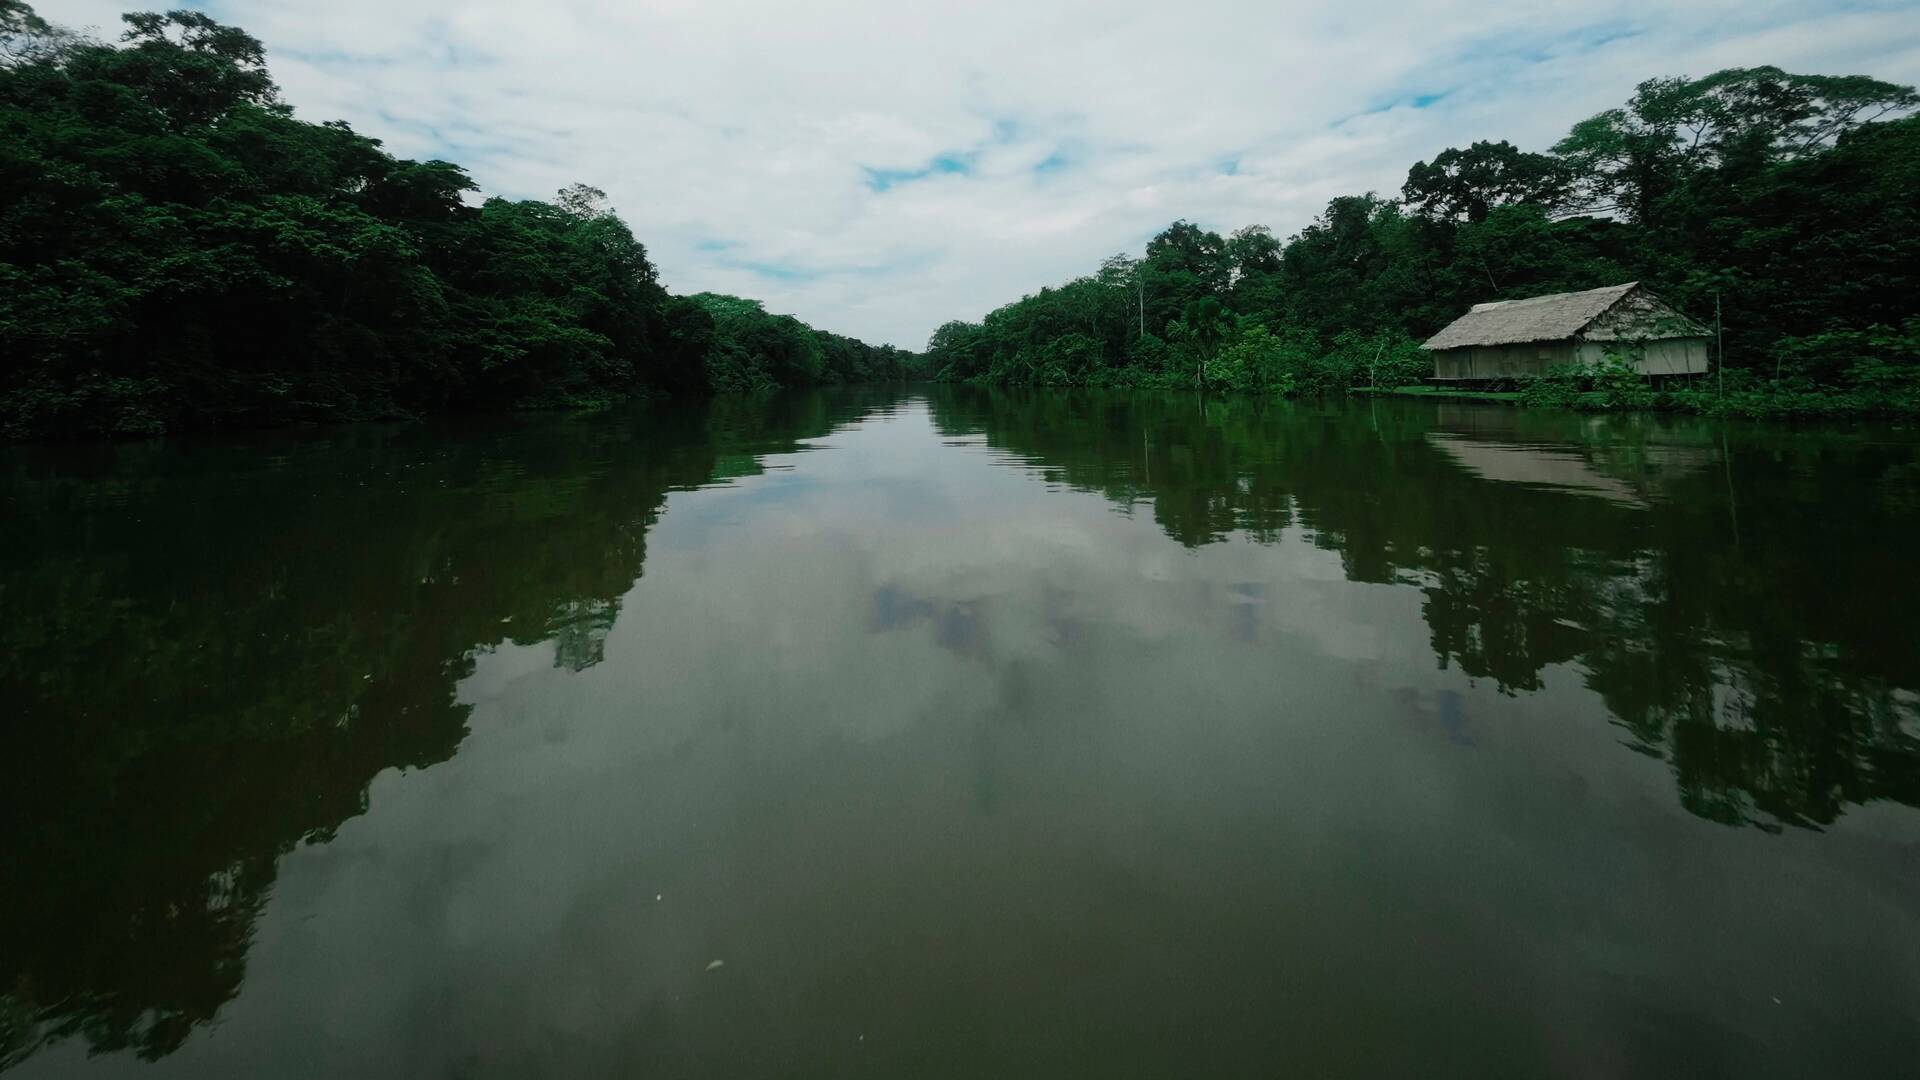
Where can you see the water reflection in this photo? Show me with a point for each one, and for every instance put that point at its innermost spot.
(212, 647)
(1283, 722)
(1548, 466)
(1736, 597)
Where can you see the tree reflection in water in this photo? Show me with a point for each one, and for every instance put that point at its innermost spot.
(212, 647)
(1728, 591)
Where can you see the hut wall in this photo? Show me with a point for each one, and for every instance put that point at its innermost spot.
(1672, 356)
(1502, 361)
(1641, 316)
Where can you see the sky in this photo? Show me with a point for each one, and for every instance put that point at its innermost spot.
(879, 168)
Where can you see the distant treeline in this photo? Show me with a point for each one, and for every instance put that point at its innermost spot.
(176, 249)
(1793, 199)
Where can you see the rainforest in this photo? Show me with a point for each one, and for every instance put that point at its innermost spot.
(430, 646)
(177, 250)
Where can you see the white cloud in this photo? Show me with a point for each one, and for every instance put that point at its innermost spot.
(736, 136)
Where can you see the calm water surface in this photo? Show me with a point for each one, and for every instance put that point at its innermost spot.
(965, 734)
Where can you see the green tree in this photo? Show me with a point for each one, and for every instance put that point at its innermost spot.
(1470, 184)
(1205, 323)
(1633, 158)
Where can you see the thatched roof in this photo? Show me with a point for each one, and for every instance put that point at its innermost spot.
(1558, 317)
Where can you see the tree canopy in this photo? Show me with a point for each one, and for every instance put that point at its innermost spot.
(178, 249)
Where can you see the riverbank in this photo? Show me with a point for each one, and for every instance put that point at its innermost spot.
(1751, 402)
(1504, 397)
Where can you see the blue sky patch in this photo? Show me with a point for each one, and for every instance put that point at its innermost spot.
(777, 271)
(952, 163)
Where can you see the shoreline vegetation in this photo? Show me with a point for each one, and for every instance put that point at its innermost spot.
(178, 251)
(1579, 391)
(1777, 207)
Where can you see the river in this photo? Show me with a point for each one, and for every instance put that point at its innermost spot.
(952, 732)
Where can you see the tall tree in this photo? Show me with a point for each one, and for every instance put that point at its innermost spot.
(1467, 185)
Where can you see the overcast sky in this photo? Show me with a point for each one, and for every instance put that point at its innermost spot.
(878, 168)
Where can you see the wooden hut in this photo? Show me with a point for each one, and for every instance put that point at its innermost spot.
(1509, 338)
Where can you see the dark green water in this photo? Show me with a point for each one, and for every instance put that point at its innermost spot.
(965, 734)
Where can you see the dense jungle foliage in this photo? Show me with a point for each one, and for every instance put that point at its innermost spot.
(1788, 198)
(177, 249)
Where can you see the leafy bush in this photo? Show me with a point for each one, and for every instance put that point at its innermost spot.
(1255, 362)
(1610, 384)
